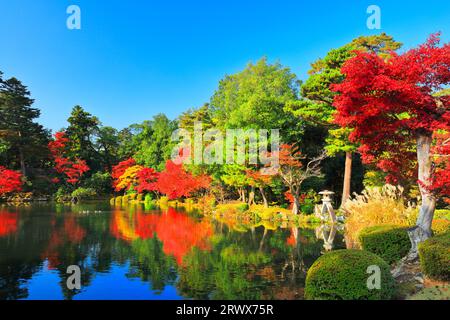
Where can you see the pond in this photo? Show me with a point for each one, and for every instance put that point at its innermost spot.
(135, 252)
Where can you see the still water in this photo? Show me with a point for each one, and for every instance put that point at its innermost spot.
(138, 253)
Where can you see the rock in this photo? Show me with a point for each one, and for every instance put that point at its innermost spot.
(419, 279)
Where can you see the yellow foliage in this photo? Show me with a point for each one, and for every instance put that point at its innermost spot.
(377, 206)
(231, 209)
(270, 225)
(129, 177)
(132, 196)
(207, 203)
(163, 200)
(440, 226)
(173, 203)
(270, 212)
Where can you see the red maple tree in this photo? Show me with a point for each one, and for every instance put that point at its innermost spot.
(441, 155)
(393, 109)
(147, 178)
(10, 181)
(175, 182)
(72, 170)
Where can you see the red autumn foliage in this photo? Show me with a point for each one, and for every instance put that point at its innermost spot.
(288, 157)
(258, 179)
(289, 197)
(175, 182)
(8, 223)
(10, 181)
(73, 170)
(147, 178)
(441, 153)
(119, 169)
(388, 103)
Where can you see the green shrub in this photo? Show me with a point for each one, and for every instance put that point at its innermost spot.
(343, 275)
(434, 256)
(388, 241)
(148, 198)
(140, 197)
(125, 199)
(63, 194)
(118, 200)
(84, 193)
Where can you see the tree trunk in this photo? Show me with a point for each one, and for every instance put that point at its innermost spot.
(22, 163)
(422, 230)
(261, 243)
(251, 197)
(347, 177)
(296, 206)
(263, 195)
(240, 191)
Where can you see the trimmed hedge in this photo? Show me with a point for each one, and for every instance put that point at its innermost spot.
(342, 275)
(390, 242)
(434, 255)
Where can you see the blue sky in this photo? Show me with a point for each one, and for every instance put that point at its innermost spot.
(133, 59)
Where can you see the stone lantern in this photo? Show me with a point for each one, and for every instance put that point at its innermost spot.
(327, 211)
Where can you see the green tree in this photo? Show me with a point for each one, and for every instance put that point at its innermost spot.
(188, 118)
(126, 147)
(255, 98)
(81, 132)
(235, 176)
(107, 146)
(21, 138)
(152, 141)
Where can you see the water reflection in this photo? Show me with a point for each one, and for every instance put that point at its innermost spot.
(139, 253)
(8, 223)
(178, 232)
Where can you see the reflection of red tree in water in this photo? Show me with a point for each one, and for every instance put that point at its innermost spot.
(70, 232)
(8, 223)
(178, 232)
